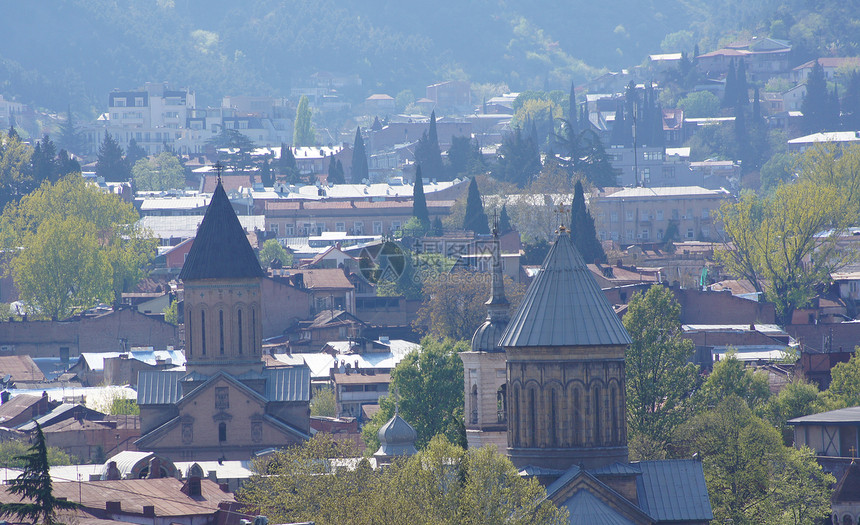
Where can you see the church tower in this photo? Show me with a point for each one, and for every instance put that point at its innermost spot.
(565, 351)
(223, 325)
(484, 368)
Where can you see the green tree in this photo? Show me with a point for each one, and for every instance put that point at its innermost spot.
(34, 485)
(844, 390)
(776, 241)
(582, 229)
(111, 165)
(584, 153)
(303, 133)
(427, 152)
(360, 171)
(171, 313)
(778, 169)
(81, 246)
(124, 407)
(44, 161)
(419, 201)
(518, 160)
(851, 102)
(464, 158)
(271, 251)
(287, 167)
(430, 383)
(801, 489)
(730, 377)
(70, 138)
(134, 152)
(504, 221)
(700, 104)
(798, 398)
(475, 219)
(747, 469)
(660, 376)
(13, 452)
(163, 172)
(16, 173)
(324, 403)
(335, 172)
(814, 104)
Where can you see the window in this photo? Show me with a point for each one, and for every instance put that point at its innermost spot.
(395, 225)
(613, 216)
(659, 215)
(222, 432)
(675, 214)
(629, 216)
(340, 226)
(668, 172)
(119, 102)
(288, 230)
(643, 215)
(243, 124)
(629, 235)
(222, 397)
(690, 233)
(645, 234)
(203, 332)
(274, 228)
(377, 227)
(358, 227)
(706, 232)
(652, 155)
(138, 102)
(239, 326)
(646, 174)
(689, 213)
(706, 213)
(221, 329)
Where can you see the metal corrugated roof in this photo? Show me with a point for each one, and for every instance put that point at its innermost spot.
(673, 490)
(843, 416)
(156, 387)
(564, 306)
(587, 509)
(288, 384)
(617, 469)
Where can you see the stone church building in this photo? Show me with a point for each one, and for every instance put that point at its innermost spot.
(547, 387)
(225, 404)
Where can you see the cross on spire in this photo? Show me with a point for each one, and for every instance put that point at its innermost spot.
(561, 211)
(218, 168)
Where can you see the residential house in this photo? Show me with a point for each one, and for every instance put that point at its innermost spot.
(379, 104)
(356, 387)
(839, 138)
(764, 58)
(454, 94)
(15, 411)
(831, 66)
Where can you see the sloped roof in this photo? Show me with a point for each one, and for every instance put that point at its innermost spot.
(843, 416)
(20, 367)
(587, 509)
(564, 306)
(673, 490)
(221, 249)
(15, 406)
(156, 387)
(847, 490)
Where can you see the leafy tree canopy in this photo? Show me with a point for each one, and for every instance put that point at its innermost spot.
(163, 172)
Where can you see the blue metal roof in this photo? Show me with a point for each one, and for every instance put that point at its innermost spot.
(288, 384)
(673, 490)
(617, 469)
(564, 306)
(156, 387)
(843, 416)
(587, 509)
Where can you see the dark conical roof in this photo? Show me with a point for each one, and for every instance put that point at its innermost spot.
(564, 306)
(220, 249)
(396, 438)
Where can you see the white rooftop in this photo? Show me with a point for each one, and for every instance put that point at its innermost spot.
(668, 191)
(828, 136)
(322, 363)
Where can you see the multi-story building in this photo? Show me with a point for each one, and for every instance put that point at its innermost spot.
(646, 215)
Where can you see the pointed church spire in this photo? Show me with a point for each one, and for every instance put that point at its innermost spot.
(497, 304)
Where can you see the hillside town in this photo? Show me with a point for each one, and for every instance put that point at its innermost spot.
(631, 299)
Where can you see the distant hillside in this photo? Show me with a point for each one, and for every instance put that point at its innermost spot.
(75, 51)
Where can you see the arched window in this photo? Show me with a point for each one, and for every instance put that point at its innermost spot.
(613, 409)
(188, 333)
(501, 403)
(254, 330)
(203, 332)
(532, 415)
(597, 421)
(516, 414)
(473, 401)
(221, 329)
(222, 432)
(553, 418)
(239, 327)
(577, 417)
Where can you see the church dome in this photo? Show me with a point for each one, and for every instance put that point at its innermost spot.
(396, 438)
(488, 335)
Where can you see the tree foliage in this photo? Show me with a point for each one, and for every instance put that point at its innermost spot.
(324, 402)
(163, 172)
(303, 132)
(322, 481)
(111, 164)
(582, 229)
(475, 219)
(428, 154)
(271, 251)
(12, 454)
(730, 377)
(430, 385)
(776, 240)
(34, 486)
(419, 200)
(359, 159)
(518, 159)
(80, 245)
(660, 376)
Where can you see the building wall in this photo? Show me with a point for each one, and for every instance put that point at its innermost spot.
(282, 306)
(111, 332)
(486, 415)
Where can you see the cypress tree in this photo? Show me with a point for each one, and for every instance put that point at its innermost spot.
(438, 229)
(475, 218)
(70, 138)
(833, 114)
(851, 103)
(303, 133)
(12, 134)
(814, 105)
(376, 126)
(334, 176)
(756, 109)
(571, 111)
(360, 171)
(266, 174)
(741, 86)
(504, 221)
(618, 136)
(66, 164)
(34, 485)
(730, 94)
(419, 200)
(582, 229)
(111, 165)
(427, 152)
